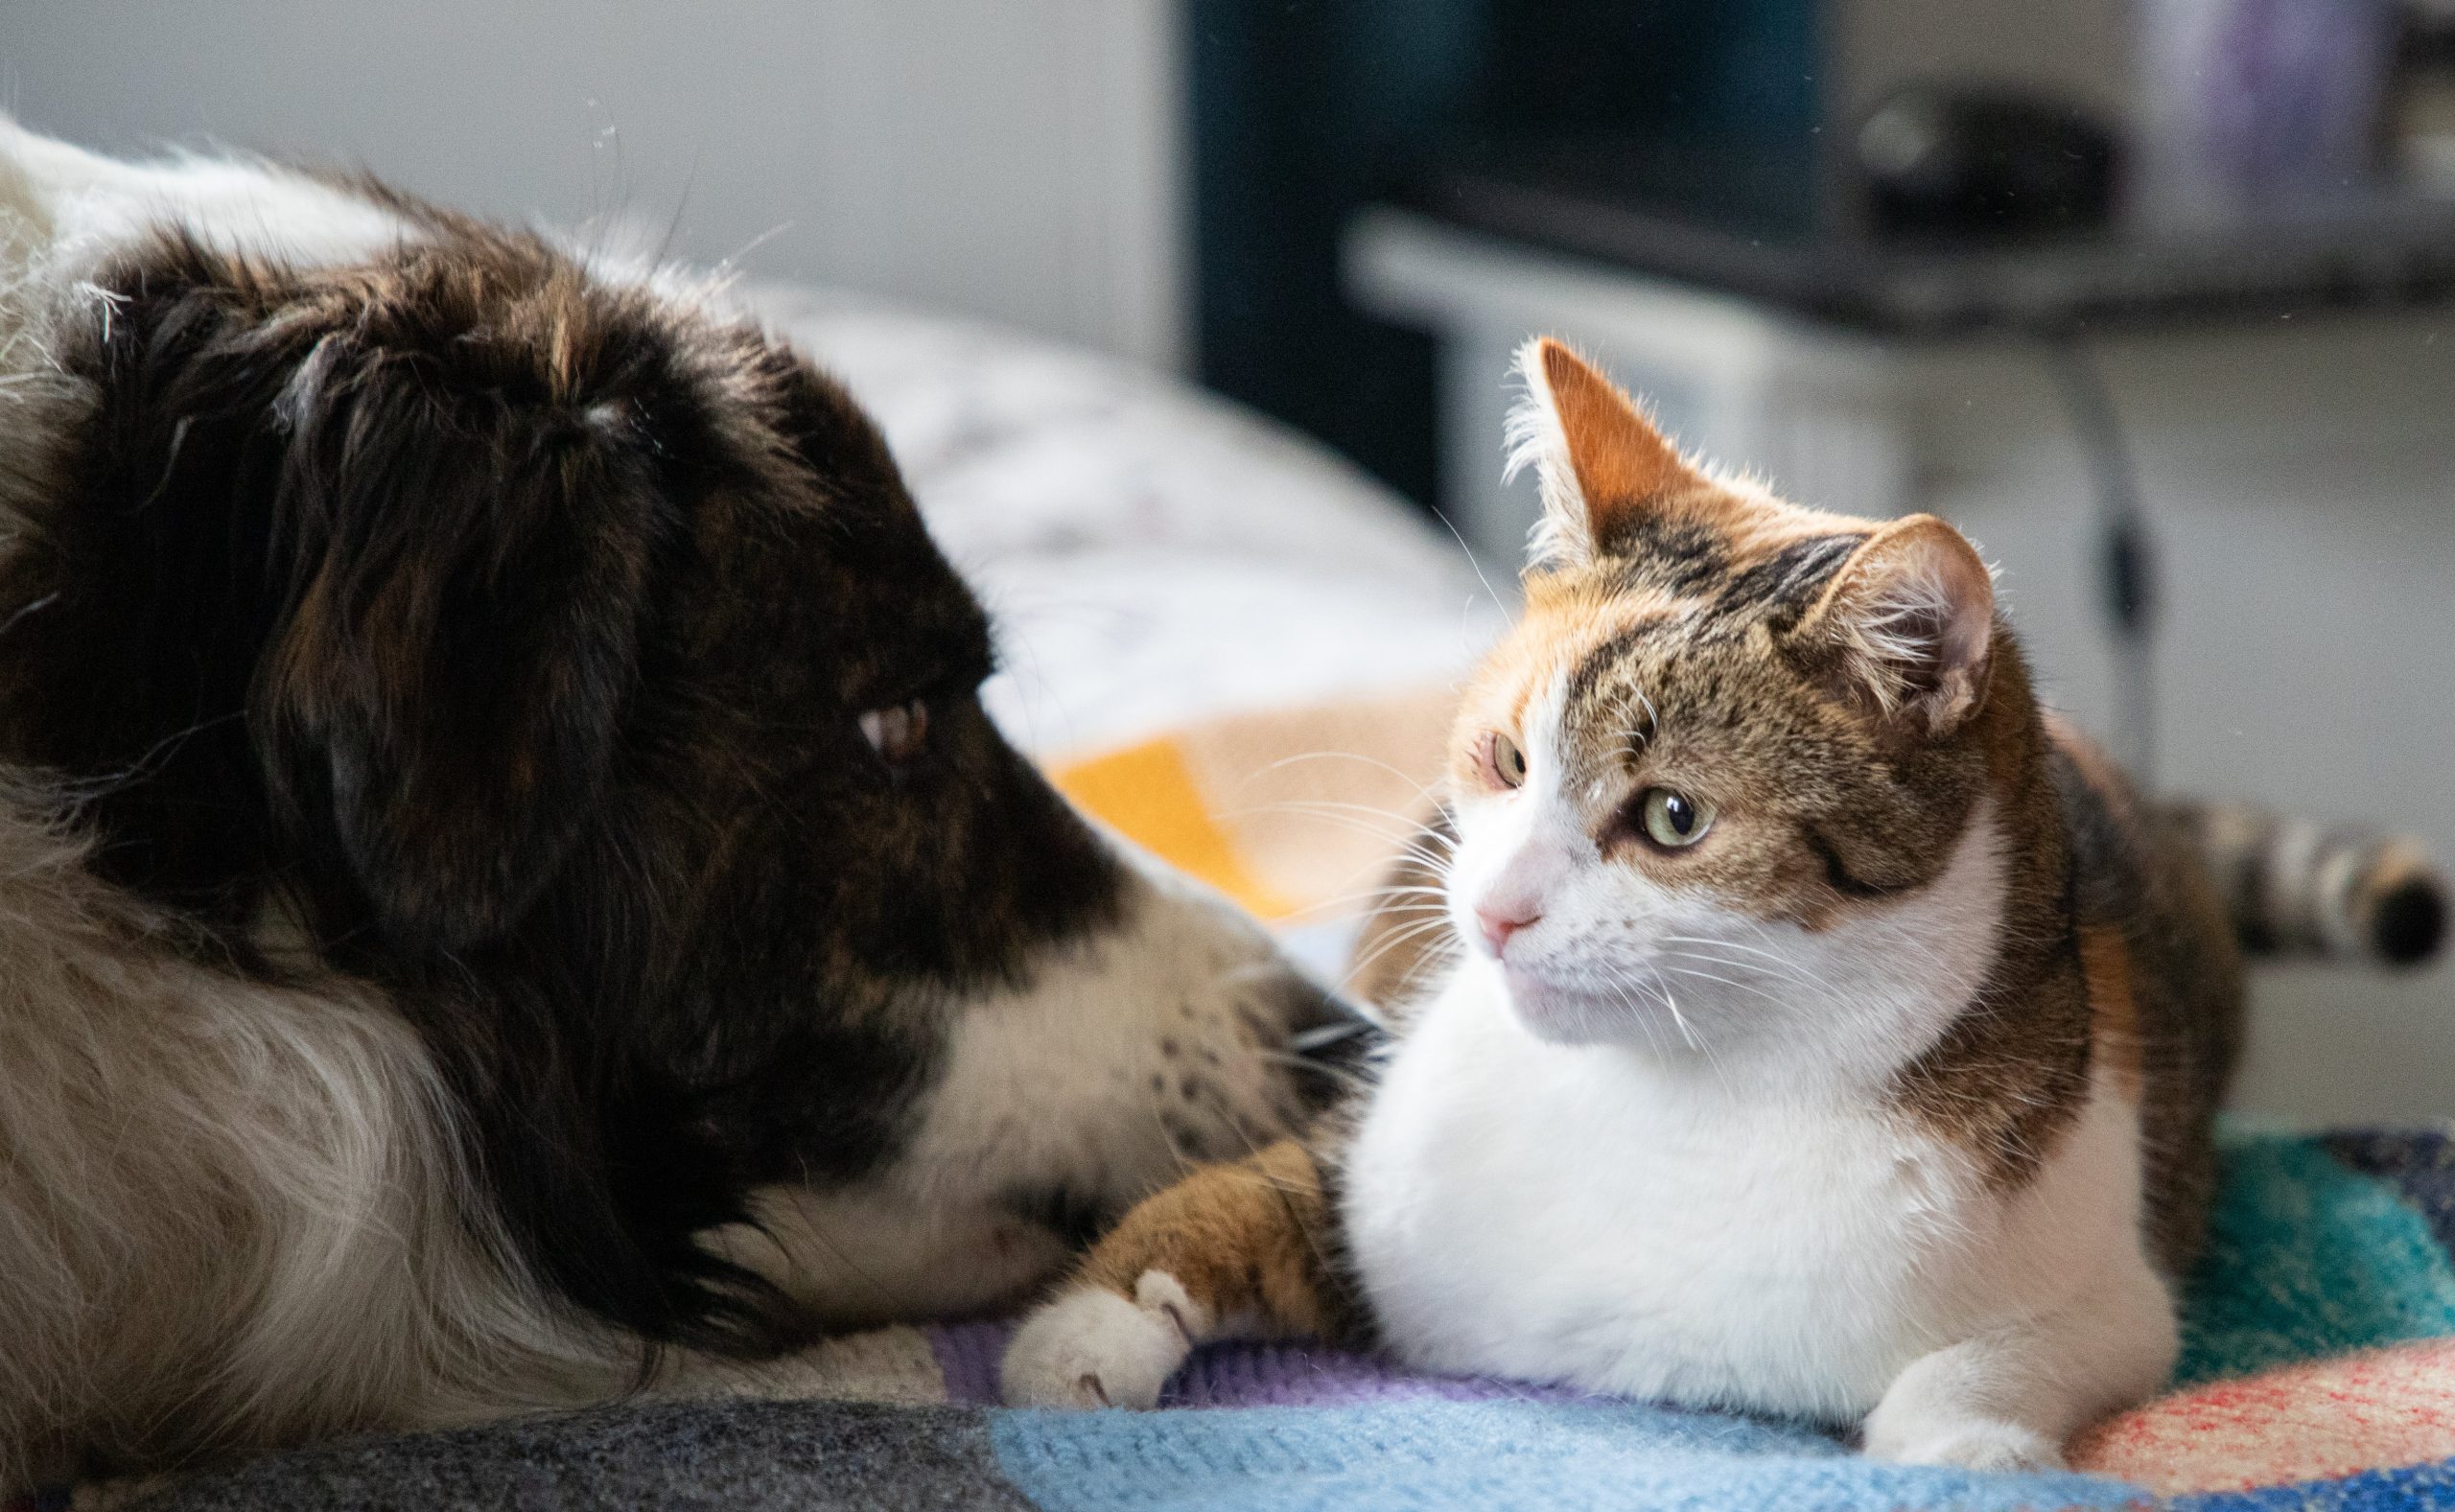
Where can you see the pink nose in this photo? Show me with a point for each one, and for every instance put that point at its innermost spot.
(1498, 926)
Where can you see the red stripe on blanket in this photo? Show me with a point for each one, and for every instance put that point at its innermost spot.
(2379, 1410)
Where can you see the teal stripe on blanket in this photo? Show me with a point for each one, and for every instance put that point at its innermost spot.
(2309, 1258)
(1489, 1456)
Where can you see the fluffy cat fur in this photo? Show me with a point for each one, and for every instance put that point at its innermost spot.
(1880, 1096)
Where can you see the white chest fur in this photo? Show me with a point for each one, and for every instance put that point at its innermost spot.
(1580, 1214)
(1122, 1061)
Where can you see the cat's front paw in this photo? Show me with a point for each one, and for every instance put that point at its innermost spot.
(1966, 1443)
(1094, 1347)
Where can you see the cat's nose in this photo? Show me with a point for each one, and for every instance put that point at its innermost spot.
(1501, 923)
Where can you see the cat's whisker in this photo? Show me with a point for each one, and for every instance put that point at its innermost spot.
(1410, 824)
(1353, 824)
(1758, 988)
(1705, 976)
(1695, 1042)
(1777, 958)
(1298, 1062)
(1283, 762)
(1679, 1019)
(1438, 865)
(1382, 947)
(1379, 898)
(1779, 971)
(1411, 835)
(1376, 894)
(1630, 990)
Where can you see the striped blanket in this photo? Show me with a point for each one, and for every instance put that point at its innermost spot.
(2318, 1370)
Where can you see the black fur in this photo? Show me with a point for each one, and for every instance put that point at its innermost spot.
(509, 630)
(1784, 585)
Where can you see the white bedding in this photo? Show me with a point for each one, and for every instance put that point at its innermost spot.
(1151, 554)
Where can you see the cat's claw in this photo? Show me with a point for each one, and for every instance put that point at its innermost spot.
(1094, 1347)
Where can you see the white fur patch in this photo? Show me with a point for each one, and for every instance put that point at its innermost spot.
(92, 206)
(1092, 1348)
(1122, 1061)
(201, 1168)
(1740, 1218)
(1563, 536)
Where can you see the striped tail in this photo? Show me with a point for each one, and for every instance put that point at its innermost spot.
(2294, 890)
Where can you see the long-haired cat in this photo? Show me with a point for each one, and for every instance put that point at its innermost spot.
(1837, 1035)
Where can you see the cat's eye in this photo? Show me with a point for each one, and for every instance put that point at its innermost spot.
(1507, 762)
(899, 732)
(1673, 820)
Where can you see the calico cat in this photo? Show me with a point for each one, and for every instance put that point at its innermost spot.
(1835, 1033)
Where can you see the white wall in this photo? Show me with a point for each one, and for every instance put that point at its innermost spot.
(1015, 158)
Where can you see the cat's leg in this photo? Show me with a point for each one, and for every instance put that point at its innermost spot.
(1231, 1251)
(2008, 1400)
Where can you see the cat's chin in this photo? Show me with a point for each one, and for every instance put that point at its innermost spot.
(1563, 1014)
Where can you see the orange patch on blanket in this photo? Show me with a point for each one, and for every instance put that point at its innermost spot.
(1292, 812)
(2336, 1417)
(1147, 793)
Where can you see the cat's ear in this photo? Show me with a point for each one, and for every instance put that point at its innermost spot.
(1599, 461)
(1911, 618)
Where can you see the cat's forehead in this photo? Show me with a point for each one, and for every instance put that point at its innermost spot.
(1678, 592)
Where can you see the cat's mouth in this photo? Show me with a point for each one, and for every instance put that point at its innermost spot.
(1641, 1001)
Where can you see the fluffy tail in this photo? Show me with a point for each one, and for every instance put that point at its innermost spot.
(2294, 890)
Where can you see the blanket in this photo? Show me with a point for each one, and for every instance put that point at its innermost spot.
(2318, 1369)
(2319, 1373)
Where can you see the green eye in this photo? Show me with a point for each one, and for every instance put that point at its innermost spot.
(1508, 764)
(1673, 820)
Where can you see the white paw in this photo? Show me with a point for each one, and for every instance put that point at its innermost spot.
(1968, 1443)
(1093, 1348)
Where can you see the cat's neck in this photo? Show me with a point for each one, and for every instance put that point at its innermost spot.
(2013, 1070)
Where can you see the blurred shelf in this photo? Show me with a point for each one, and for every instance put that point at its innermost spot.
(1748, 223)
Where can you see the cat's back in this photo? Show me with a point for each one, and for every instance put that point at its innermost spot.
(2164, 978)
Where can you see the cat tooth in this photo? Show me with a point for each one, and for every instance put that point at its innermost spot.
(873, 730)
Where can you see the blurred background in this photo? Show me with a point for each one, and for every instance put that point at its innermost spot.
(2151, 296)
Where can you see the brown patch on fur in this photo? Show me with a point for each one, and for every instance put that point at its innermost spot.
(2114, 1016)
(2094, 765)
(2011, 1072)
(1245, 1241)
(1865, 613)
(2141, 887)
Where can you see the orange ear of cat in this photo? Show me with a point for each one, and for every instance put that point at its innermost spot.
(1619, 459)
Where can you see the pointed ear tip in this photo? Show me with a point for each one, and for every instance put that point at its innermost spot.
(1533, 364)
(1561, 361)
